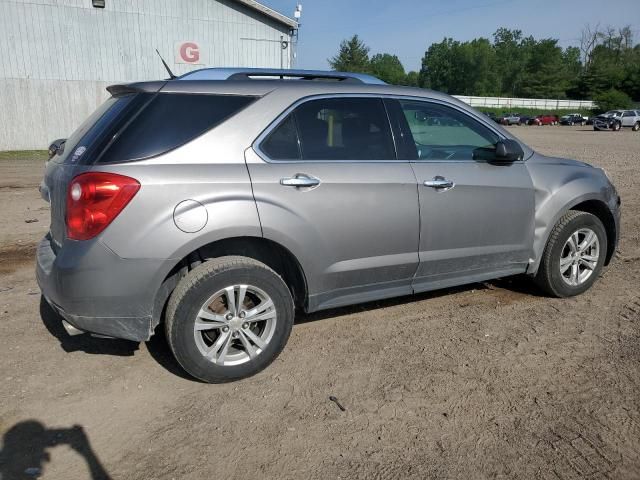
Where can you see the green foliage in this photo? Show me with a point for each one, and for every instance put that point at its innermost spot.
(23, 155)
(353, 56)
(388, 68)
(511, 65)
(612, 100)
(412, 79)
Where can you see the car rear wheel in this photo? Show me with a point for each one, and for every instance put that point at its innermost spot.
(229, 318)
(574, 255)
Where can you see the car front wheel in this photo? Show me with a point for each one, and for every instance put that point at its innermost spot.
(574, 255)
(636, 126)
(229, 318)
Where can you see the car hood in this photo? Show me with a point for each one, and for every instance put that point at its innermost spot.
(543, 159)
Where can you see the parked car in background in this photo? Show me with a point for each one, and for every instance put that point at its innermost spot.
(492, 116)
(510, 119)
(631, 119)
(525, 119)
(258, 197)
(544, 120)
(573, 119)
(611, 120)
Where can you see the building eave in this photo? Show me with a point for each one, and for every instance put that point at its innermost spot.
(269, 12)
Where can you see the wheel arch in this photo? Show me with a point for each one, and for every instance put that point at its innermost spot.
(269, 252)
(586, 203)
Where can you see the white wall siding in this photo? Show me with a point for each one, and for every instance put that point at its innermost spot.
(56, 56)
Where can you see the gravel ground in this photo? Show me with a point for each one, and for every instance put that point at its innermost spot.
(489, 380)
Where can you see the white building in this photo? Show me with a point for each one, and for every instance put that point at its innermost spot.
(57, 56)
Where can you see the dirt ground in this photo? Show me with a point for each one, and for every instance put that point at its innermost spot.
(485, 381)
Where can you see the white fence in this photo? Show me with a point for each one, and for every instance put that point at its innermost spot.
(541, 103)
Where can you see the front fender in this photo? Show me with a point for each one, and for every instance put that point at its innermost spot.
(559, 186)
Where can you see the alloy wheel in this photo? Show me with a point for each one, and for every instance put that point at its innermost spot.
(579, 257)
(235, 325)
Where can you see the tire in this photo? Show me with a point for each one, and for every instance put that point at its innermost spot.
(616, 126)
(549, 276)
(582, 124)
(636, 127)
(191, 297)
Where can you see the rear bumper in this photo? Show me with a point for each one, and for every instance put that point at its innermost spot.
(96, 291)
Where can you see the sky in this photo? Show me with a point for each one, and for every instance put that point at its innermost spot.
(407, 28)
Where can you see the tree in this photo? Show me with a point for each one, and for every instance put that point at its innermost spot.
(388, 68)
(412, 79)
(353, 56)
(510, 53)
(437, 66)
(612, 100)
(545, 73)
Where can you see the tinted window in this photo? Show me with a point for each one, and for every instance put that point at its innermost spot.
(95, 127)
(168, 121)
(344, 129)
(443, 133)
(282, 143)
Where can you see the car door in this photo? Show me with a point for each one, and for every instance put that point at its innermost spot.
(476, 216)
(628, 118)
(329, 188)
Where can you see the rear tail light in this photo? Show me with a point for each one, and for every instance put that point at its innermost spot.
(94, 199)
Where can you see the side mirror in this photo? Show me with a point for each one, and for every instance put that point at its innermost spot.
(56, 147)
(508, 150)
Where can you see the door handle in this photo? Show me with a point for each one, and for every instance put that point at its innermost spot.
(300, 180)
(440, 183)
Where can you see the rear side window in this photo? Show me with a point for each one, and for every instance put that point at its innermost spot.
(169, 121)
(85, 142)
(331, 129)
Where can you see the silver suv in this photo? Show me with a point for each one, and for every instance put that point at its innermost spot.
(214, 205)
(616, 119)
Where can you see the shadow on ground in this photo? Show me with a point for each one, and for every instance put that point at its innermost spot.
(517, 284)
(159, 349)
(26, 445)
(85, 342)
(157, 345)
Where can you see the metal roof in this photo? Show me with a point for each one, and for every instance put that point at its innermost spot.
(269, 12)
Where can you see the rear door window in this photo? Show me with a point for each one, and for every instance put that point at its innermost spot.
(169, 121)
(282, 143)
(333, 129)
(344, 129)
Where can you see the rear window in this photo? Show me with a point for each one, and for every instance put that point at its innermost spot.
(78, 147)
(168, 121)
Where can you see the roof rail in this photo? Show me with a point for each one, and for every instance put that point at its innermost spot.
(281, 74)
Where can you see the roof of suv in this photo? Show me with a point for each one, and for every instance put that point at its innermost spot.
(228, 81)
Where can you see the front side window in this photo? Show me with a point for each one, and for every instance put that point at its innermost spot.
(444, 133)
(330, 129)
